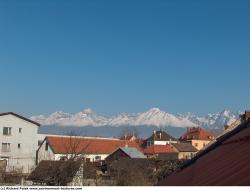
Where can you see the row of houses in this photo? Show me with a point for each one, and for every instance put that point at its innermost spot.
(224, 162)
(158, 145)
(226, 154)
(23, 148)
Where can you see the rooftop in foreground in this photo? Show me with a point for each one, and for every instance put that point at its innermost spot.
(224, 163)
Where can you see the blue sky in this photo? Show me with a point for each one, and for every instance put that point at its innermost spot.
(124, 56)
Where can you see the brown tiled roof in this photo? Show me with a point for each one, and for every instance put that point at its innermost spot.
(77, 145)
(157, 149)
(197, 133)
(19, 116)
(161, 136)
(184, 147)
(224, 163)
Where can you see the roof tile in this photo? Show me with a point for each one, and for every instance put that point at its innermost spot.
(224, 163)
(63, 145)
(157, 149)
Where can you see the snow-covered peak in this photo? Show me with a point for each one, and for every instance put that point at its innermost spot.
(226, 113)
(88, 111)
(59, 115)
(152, 117)
(154, 110)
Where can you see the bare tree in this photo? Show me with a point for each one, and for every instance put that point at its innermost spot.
(74, 153)
(75, 148)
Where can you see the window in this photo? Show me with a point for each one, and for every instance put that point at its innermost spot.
(7, 131)
(63, 158)
(47, 146)
(196, 144)
(20, 130)
(97, 158)
(149, 143)
(39, 143)
(4, 160)
(19, 145)
(5, 147)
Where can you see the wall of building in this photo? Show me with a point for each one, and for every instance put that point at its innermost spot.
(116, 156)
(163, 142)
(92, 157)
(44, 154)
(200, 144)
(22, 158)
(186, 155)
(169, 156)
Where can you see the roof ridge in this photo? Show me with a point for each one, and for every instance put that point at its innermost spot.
(21, 117)
(244, 138)
(81, 137)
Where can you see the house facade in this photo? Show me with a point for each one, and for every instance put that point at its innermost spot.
(173, 151)
(185, 150)
(91, 148)
(124, 152)
(198, 137)
(18, 142)
(160, 138)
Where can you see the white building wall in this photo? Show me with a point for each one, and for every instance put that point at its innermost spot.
(89, 156)
(44, 154)
(23, 157)
(163, 142)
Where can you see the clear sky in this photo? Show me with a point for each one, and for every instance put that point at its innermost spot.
(124, 56)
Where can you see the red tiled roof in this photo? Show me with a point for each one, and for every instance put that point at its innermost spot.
(224, 163)
(197, 134)
(157, 149)
(63, 145)
(128, 137)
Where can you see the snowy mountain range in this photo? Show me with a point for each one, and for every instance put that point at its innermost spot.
(153, 117)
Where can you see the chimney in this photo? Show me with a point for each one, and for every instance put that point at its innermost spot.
(160, 135)
(226, 126)
(247, 115)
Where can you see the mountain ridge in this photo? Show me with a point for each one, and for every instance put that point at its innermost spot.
(152, 117)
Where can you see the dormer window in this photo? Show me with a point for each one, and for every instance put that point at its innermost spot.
(46, 146)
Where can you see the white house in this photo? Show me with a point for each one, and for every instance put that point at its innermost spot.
(91, 148)
(18, 142)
